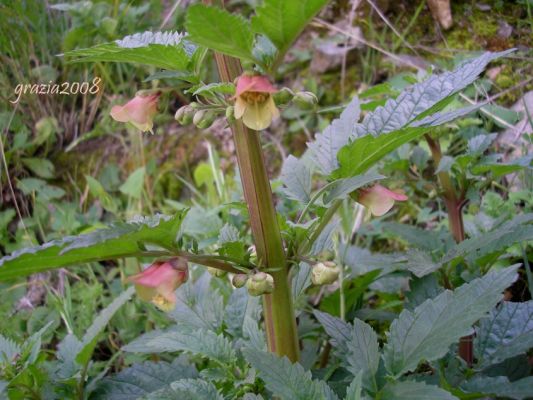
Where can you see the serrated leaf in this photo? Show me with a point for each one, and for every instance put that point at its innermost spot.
(338, 330)
(419, 263)
(395, 123)
(40, 167)
(296, 178)
(198, 305)
(519, 229)
(165, 50)
(324, 241)
(445, 164)
(429, 240)
(195, 389)
(286, 380)
(500, 386)
(363, 352)
(142, 379)
(422, 289)
(117, 241)
(219, 30)
(211, 89)
(340, 188)
(213, 346)
(356, 387)
(228, 233)
(327, 144)
(301, 281)
(507, 332)
(410, 390)
(282, 21)
(240, 305)
(8, 349)
(445, 117)
(427, 332)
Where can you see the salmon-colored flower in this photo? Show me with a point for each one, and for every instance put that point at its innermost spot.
(158, 282)
(379, 199)
(254, 102)
(139, 111)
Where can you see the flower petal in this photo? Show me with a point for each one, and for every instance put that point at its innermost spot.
(254, 83)
(379, 200)
(139, 111)
(240, 107)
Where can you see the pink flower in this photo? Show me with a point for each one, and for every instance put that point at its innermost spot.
(379, 199)
(254, 102)
(158, 282)
(139, 111)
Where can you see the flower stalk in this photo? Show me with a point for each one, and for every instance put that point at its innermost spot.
(280, 322)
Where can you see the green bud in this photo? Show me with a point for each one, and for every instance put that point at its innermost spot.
(218, 273)
(239, 280)
(203, 119)
(230, 113)
(284, 96)
(305, 100)
(184, 115)
(324, 273)
(194, 105)
(260, 283)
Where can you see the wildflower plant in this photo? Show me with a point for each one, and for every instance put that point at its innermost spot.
(252, 353)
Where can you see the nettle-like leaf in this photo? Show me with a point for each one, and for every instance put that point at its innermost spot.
(213, 346)
(119, 240)
(167, 50)
(356, 344)
(240, 305)
(507, 332)
(195, 389)
(327, 144)
(8, 349)
(405, 118)
(286, 380)
(282, 21)
(296, 178)
(410, 390)
(519, 229)
(500, 386)
(221, 31)
(142, 379)
(427, 332)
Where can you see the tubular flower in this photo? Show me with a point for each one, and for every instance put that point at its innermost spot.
(158, 282)
(378, 199)
(254, 102)
(139, 111)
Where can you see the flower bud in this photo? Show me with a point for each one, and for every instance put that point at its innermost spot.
(260, 283)
(284, 96)
(203, 119)
(239, 280)
(305, 100)
(230, 114)
(217, 273)
(324, 273)
(184, 115)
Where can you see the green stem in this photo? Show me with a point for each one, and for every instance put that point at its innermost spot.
(280, 321)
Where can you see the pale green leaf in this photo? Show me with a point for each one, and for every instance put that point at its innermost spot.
(410, 390)
(134, 184)
(500, 386)
(427, 332)
(40, 167)
(282, 21)
(219, 30)
(296, 178)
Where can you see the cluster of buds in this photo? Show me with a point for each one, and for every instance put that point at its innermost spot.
(324, 273)
(158, 282)
(257, 284)
(202, 118)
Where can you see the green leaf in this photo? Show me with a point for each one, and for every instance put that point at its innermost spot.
(134, 184)
(296, 178)
(363, 352)
(327, 144)
(143, 379)
(8, 349)
(429, 240)
(507, 332)
(282, 21)
(40, 167)
(427, 332)
(410, 390)
(97, 190)
(287, 381)
(324, 241)
(119, 240)
(358, 156)
(340, 188)
(500, 386)
(165, 50)
(213, 346)
(354, 390)
(240, 305)
(195, 389)
(210, 90)
(90, 339)
(340, 332)
(219, 30)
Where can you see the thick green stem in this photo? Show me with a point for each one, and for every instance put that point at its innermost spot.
(454, 207)
(280, 322)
